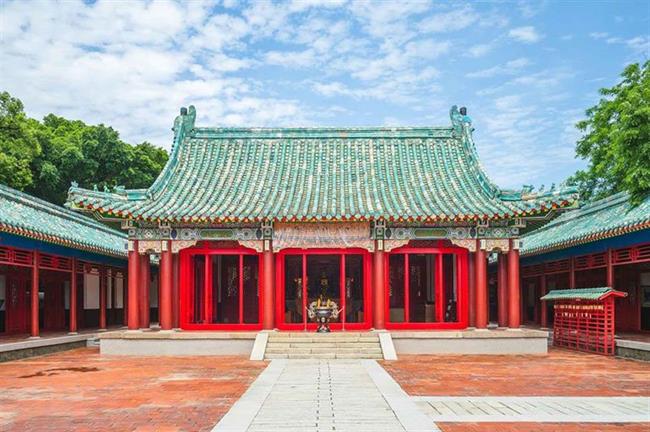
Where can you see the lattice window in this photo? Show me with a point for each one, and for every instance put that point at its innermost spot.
(53, 262)
(585, 262)
(585, 326)
(16, 256)
(559, 266)
(532, 270)
(632, 254)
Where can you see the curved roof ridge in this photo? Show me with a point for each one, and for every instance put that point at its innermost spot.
(608, 217)
(587, 209)
(441, 178)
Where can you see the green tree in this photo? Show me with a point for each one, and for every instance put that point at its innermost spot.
(18, 144)
(616, 139)
(70, 150)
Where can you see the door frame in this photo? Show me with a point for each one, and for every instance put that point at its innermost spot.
(306, 325)
(462, 312)
(187, 285)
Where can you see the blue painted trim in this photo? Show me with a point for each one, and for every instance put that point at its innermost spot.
(622, 241)
(13, 240)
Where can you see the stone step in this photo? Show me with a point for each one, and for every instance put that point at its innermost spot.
(316, 350)
(325, 339)
(324, 356)
(333, 345)
(330, 345)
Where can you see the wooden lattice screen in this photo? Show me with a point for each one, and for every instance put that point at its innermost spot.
(585, 325)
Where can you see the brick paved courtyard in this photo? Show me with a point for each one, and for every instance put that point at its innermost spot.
(561, 373)
(80, 391)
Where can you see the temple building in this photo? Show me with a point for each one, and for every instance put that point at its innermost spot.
(59, 271)
(394, 225)
(603, 244)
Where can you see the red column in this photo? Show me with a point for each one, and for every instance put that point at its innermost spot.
(73, 297)
(34, 294)
(102, 298)
(610, 269)
(502, 290)
(572, 274)
(165, 284)
(379, 292)
(145, 278)
(133, 320)
(268, 318)
(176, 295)
(125, 298)
(514, 313)
(481, 288)
(471, 291)
(543, 320)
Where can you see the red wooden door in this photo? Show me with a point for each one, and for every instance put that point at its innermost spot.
(53, 304)
(17, 309)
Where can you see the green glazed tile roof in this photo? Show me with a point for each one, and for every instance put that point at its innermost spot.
(309, 174)
(28, 216)
(605, 218)
(583, 294)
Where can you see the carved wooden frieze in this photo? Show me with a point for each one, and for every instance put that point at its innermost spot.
(322, 235)
(177, 245)
(149, 246)
(499, 245)
(469, 244)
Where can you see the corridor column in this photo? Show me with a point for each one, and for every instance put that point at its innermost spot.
(471, 269)
(379, 321)
(73, 297)
(144, 289)
(133, 321)
(502, 290)
(481, 294)
(269, 286)
(514, 311)
(102, 297)
(610, 269)
(34, 294)
(165, 303)
(176, 274)
(543, 320)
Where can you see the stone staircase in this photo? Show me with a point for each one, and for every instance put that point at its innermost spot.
(335, 345)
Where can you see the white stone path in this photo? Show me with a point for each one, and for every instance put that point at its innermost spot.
(538, 409)
(360, 396)
(325, 395)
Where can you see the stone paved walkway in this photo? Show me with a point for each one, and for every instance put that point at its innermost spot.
(536, 409)
(325, 395)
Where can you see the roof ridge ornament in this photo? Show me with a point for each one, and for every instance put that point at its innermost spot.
(459, 119)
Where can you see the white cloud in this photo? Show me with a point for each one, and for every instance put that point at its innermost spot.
(479, 50)
(449, 21)
(526, 34)
(598, 35)
(509, 68)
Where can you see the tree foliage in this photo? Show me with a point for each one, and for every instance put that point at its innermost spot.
(616, 139)
(42, 158)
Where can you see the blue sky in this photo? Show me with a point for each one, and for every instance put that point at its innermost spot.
(525, 70)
